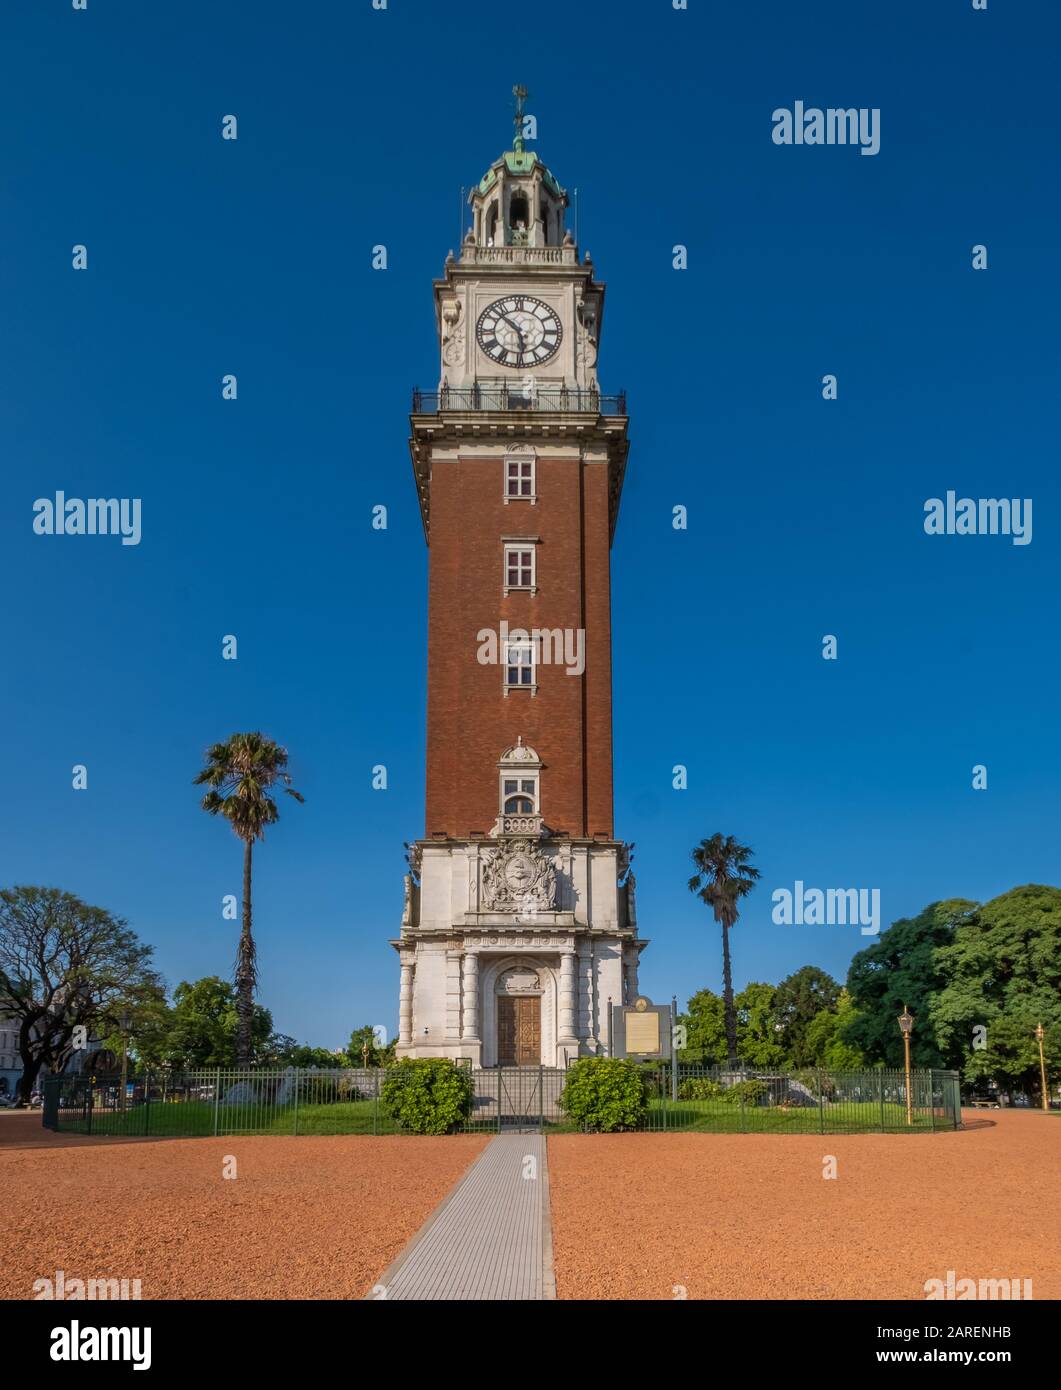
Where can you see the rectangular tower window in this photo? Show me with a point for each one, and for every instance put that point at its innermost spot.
(519, 567)
(519, 666)
(519, 478)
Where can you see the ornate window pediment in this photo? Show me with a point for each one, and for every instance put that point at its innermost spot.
(519, 787)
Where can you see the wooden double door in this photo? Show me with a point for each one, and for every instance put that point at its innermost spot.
(519, 1030)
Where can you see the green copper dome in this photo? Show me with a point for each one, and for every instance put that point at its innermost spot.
(519, 162)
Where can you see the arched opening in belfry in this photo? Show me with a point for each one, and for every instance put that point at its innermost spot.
(519, 212)
(491, 225)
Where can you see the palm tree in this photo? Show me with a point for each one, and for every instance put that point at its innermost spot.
(723, 876)
(240, 775)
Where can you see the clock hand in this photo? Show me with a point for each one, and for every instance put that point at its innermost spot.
(519, 335)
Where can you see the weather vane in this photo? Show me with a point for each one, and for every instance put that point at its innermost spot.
(521, 94)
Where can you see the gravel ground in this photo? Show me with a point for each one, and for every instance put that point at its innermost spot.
(305, 1218)
(750, 1216)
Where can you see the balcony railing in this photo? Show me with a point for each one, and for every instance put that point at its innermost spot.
(562, 399)
(519, 255)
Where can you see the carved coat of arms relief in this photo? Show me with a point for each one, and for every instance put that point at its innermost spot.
(517, 877)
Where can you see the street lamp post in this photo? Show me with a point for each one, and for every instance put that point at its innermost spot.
(125, 1019)
(906, 1027)
(1042, 1066)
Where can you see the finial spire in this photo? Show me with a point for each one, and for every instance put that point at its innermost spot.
(521, 94)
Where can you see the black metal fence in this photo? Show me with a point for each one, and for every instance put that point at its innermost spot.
(504, 396)
(350, 1101)
(813, 1101)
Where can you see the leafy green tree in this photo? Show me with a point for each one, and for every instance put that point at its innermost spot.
(758, 1042)
(240, 775)
(1010, 1056)
(724, 875)
(277, 1049)
(204, 1030)
(1000, 975)
(65, 967)
(150, 1022)
(378, 1056)
(825, 1039)
(705, 1029)
(901, 968)
(799, 999)
(306, 1056)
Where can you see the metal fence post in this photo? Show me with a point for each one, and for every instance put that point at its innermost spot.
(880, 1086)
(217, 1097)
(932, 1100)
(821, 1103)
(298, 1085)
(674, 1049)
(147, 1103)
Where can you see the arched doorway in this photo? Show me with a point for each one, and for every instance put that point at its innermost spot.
(519, 1017)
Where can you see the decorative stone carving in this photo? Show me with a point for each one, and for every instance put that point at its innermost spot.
(518, 877)
(452, 333)
(520, 752)
(586, 338)
(414, 857)
(407, 906)
(519, 980)
(521, 825)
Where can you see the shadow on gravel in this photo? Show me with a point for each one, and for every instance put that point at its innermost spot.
(22, 1129)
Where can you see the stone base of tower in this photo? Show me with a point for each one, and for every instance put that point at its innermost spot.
(515, 999)
(515, 985)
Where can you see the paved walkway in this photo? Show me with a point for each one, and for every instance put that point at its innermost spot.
(490, 1238)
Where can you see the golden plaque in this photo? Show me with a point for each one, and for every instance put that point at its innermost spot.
(642, 1032)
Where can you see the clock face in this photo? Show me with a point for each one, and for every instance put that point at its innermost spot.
(519, 331)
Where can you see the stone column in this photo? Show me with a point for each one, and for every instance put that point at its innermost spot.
(405, 1006)
(630, 972)
(453, 994)
(585, 991)
(567, 1033)
(470, 1029)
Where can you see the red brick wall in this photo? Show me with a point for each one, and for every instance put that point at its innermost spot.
(470, 721)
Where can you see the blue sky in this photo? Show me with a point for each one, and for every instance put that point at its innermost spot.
(359, 127)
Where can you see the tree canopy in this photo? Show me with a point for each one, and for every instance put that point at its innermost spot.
(67, 971)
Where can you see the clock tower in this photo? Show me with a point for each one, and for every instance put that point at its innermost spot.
(519, 924)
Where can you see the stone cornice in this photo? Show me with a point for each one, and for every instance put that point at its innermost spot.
(453, 427)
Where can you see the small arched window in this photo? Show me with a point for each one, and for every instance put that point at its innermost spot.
(519, 796)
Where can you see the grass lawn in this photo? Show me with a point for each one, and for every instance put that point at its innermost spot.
(846, 1118)
(199, 1117)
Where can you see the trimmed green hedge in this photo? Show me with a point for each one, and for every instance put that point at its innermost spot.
(699, 1088)
(428, 1095)
(605, 1094)
(750, 1092)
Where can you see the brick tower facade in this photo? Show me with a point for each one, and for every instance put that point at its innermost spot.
(519, 923)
